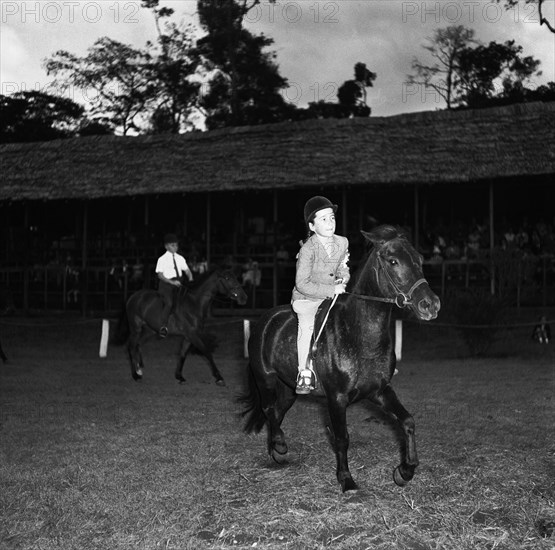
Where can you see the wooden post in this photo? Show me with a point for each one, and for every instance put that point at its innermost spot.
(416, 219)
(208, 226)
(147, 222)
(26, 278)
(491, 238)
(275, 249)
(344, 211)
(84, 257)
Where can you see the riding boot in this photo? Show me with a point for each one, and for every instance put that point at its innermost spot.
(166, 313)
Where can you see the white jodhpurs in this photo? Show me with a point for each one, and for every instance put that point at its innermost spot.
(306, 312)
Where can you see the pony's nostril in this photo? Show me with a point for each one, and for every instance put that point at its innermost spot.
(424, 305)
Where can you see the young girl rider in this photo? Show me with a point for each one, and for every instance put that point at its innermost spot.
(169, 269)
(322, 272)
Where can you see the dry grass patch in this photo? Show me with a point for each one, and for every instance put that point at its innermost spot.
(90, 459)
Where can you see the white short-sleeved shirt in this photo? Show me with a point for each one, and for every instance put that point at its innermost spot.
(166, 267)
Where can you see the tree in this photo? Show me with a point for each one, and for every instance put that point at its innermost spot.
(38, 116)
(139, 89)
(352, 93)
(115, 79)
(543, 19)
(444, 47)
(480, 68)
(246, 85)
(470, 74)
(173, 60)
(351, 96)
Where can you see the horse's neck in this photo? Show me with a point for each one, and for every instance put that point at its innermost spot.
(204, 294)
(365, 280)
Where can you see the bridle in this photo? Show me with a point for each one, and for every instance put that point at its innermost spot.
(402, 299)
(231, 290)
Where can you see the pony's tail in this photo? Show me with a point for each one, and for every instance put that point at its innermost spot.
(253, 413)
(121, 333)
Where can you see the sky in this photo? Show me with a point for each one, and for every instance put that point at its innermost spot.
(317, 42)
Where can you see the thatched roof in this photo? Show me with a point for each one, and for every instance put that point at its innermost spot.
(427, 147)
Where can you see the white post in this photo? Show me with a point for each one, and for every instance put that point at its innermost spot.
(104, 338)
(398, 338)
(246, 336)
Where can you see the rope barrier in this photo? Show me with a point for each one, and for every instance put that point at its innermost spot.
(95, 320)
(34, 325)
(458, 325)
(240, 320)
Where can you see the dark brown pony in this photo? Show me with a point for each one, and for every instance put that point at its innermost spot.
(354, 358)
(143, 311)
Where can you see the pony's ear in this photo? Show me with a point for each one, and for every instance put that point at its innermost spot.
(367, 236)
(371, 238)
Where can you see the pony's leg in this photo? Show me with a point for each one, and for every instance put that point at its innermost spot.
(337, 408)
(184, 350)
(135, 355)
(199, 344)
(277, 400)
(405, 471)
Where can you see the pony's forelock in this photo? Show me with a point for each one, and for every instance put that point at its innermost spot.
(383, 233)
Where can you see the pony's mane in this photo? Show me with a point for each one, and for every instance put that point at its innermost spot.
(200, 279)
(384, 233)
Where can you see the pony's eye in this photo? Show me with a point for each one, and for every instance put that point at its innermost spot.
(393, 262)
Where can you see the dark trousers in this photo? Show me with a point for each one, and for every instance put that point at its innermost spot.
(168, 292)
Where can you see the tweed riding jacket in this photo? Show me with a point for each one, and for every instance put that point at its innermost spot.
(317, 271)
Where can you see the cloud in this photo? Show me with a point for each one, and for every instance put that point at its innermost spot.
(13, 56)
(317, 41)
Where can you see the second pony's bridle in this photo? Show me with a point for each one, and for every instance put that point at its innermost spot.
(402, 299)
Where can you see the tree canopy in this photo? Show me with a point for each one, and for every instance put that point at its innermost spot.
(115, 80)
(469, 74)
(247, 84)
(38, 116)
(543, 17)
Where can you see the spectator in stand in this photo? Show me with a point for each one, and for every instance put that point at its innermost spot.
(282, 255)
(453, 251)
(473, 243)
(509, 239)
(522, 238)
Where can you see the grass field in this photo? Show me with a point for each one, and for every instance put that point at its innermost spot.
(90, 459)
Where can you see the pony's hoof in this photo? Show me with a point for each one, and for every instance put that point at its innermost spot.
(180, 379)
(398, 477)
(279, 458)
(348, 484)
(220, 382)
(136, 375)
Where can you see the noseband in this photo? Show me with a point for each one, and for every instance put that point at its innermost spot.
(402, 299)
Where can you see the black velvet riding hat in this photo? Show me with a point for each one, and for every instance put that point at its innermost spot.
(314, 205)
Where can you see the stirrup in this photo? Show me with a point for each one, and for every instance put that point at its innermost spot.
(163, 332)
(306, 382)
